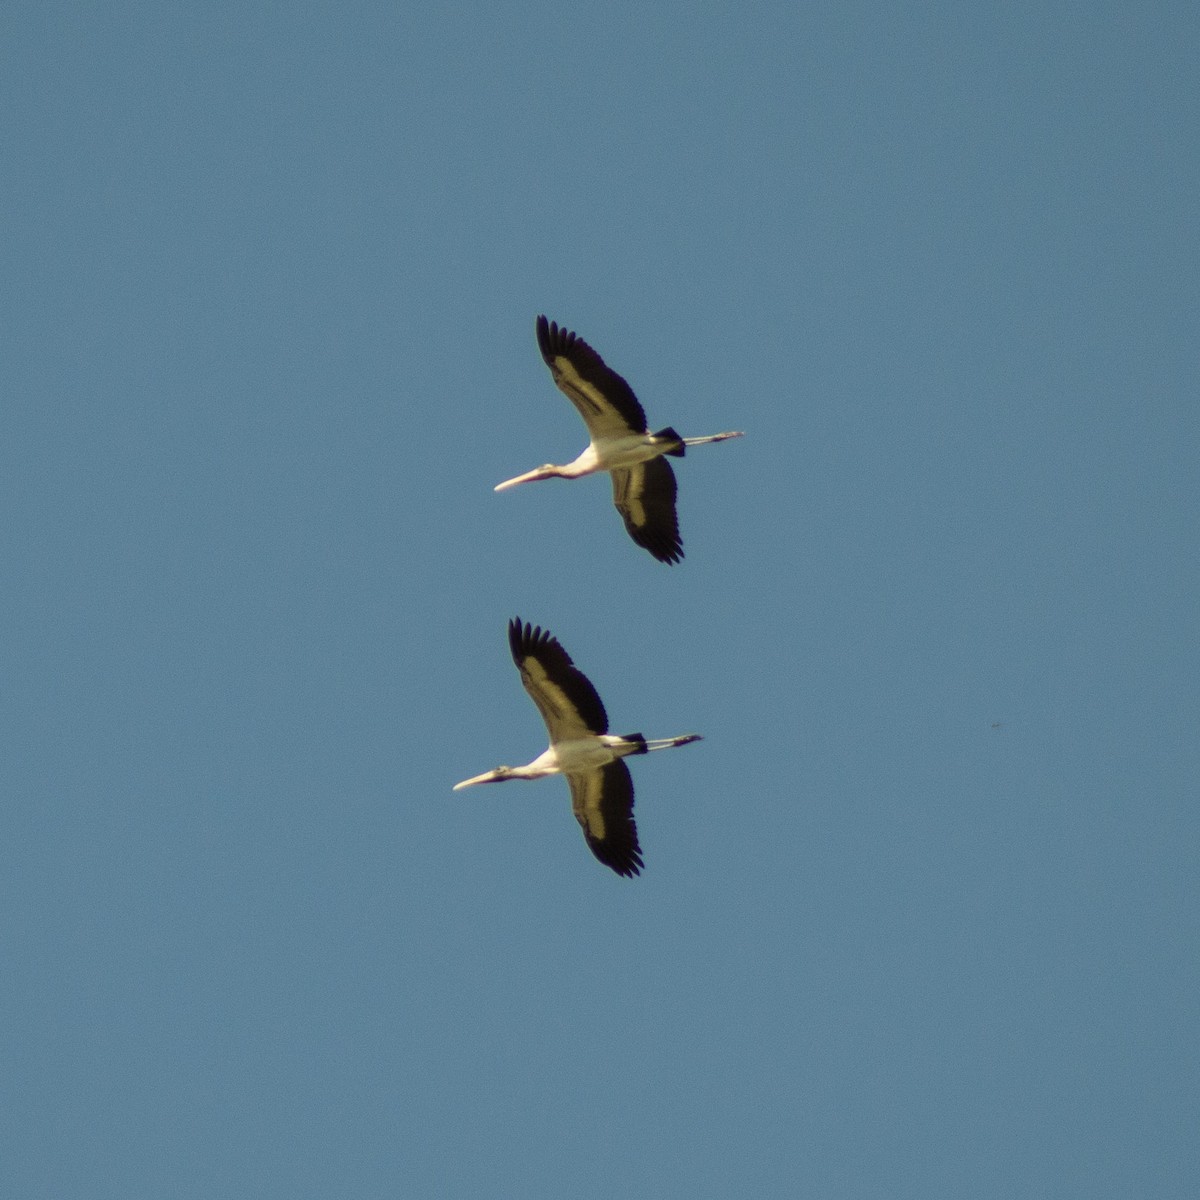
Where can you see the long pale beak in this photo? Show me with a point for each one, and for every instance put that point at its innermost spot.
(528, 477)
(486, 777)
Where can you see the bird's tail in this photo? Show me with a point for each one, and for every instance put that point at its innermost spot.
(678, 448)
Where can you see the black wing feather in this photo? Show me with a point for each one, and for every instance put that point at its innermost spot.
(558, 343)
(603, 804)
(644, 495)
(532, 642)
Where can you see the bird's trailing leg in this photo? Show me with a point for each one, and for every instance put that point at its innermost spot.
(667, 743)
(713, 437)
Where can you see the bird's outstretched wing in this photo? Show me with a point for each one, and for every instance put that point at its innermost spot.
(604, 400)
(564, 695)
(603, 804)
(645, 497)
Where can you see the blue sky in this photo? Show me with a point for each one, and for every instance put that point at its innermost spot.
(919, 916)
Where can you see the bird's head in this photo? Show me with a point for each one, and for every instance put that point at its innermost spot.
(547, 471)
(499, 775)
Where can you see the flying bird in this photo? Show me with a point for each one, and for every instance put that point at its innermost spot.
(621, 442)
(581, 748)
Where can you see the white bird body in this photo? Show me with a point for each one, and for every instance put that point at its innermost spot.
(576, 756)
(644, 486)
(603, 454)
(581, 748)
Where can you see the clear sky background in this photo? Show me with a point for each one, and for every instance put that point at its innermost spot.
(920, 915)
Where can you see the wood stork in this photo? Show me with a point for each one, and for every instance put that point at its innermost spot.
(581, 748)
(621, 442)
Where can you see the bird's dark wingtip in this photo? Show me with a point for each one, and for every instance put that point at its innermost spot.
(518, 634)
(668, 555)
(547, 333)
(526, 638)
